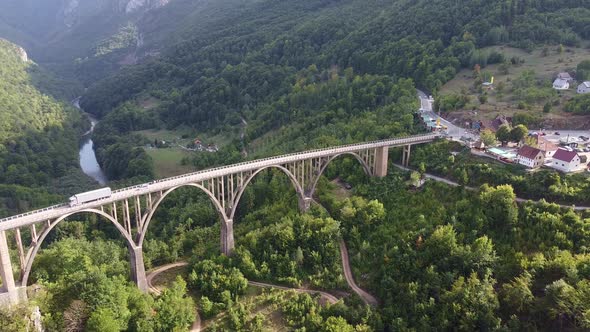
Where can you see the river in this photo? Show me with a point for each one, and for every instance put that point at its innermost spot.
(88, 161)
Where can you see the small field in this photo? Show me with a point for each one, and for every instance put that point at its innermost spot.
(545, 62)
(338, 190)
(183, 136)
(167, 161)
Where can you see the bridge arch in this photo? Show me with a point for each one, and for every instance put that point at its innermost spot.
(148, 218)
(316, 179)
(32, 253)
(242, 189)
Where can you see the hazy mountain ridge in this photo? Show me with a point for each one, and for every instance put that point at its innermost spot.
(70, 35)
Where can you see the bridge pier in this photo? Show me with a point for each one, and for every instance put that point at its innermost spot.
(381, 155)
(138, 267)
(227, 237)
(8, 291)
(406, 155)
(304, 204)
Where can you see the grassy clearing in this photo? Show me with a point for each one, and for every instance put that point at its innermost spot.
(337, 189)
(148, 102)
(166, 278)
(167, 162)
(545, 67)
(257, 300)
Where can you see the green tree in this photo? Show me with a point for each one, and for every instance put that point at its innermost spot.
(103, 320)
(471, 304)
(14, 318)
(517, 295)
(175, 310)
(583, 71)
(518, 133)
(488, 137)
(499, 205)
(503, 134)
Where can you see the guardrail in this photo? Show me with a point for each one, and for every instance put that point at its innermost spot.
(406, 139)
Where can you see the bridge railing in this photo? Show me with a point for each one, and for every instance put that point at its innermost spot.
(34, 212)
(408, 139)
(244, 163)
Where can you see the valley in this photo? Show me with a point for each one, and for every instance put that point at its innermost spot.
(282, 166)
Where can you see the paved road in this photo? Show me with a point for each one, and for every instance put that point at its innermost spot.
(453, 130)
(366, 297)
(60, 210)
(518, 199)
(563, 134)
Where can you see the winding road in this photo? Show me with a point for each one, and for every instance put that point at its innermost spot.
(196, 327)
(366, 297)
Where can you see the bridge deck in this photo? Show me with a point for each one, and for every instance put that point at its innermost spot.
(167, 183)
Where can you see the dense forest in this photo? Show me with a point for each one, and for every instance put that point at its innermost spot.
(285, 66)
(38, 137)
(274, 77)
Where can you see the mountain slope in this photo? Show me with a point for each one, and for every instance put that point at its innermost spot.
(250, 61)
(90, 37)
(24, 107)
(38, 136)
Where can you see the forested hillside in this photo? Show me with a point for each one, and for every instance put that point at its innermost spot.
(266, 77)
(292, 65)
(38, 135)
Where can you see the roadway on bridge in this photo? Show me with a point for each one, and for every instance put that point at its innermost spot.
(196, 177)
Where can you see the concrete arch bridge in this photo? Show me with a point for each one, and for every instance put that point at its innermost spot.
(131, 209)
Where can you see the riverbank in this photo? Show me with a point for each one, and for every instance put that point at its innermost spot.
(88, 162)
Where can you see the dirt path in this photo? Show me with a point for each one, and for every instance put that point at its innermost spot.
(196, 327)
(366, 297)
(518, 199)
(326, 296)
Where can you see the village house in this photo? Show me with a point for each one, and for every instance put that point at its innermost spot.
(545, 145)
(584, 87)
(530, 157)
(561, 84)
(566, 161)
(492, 125)
(565, 76)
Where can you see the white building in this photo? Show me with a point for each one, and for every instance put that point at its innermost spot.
(561, 84)
(530, 157)
(584, 87)
(566, 161)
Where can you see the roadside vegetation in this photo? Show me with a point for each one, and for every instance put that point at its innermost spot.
(469, 170)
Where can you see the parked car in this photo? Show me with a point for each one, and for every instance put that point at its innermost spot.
(556, 133)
